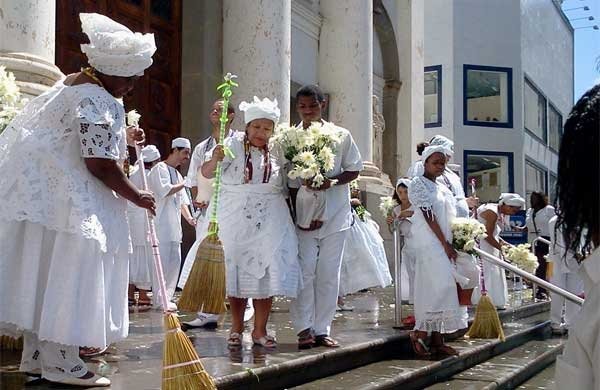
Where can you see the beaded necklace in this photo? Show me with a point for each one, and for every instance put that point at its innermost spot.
(248, 170)
(91, 73)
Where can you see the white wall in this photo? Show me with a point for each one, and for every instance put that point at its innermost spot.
(306, 24)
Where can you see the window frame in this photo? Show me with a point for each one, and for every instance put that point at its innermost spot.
(511, 165)
(509, 82)
(561, 128)
(527, 81)
(535, 164)
(438, 69)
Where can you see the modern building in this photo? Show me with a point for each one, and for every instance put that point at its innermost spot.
(499, 81)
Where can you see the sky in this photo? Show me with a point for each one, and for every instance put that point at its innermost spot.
(587, 43)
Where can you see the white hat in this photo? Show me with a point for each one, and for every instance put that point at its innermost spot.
(403, 180)
(150, 153)
(511, 199)
(114, 49)
(181, 143)
(434, 149)
(260, 109)
(443, 141)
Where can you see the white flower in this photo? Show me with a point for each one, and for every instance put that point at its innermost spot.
(293, 174)
(229, 76)
(318, 180)
(328, 158)
(306, 158)
(133, 118)
(387, 205)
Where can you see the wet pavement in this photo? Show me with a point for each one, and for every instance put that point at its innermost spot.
(136, 362)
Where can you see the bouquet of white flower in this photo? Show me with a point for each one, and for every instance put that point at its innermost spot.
(387, 205)
(11, 102)
(311, 151)
(521, 257)
(466, 232)
(133, 118)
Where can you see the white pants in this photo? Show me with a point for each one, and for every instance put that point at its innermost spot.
(320, 261)
(56, 361)
(170, 256)
(572, 283)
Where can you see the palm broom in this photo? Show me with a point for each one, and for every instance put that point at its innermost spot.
(205, 287)
(182, 368)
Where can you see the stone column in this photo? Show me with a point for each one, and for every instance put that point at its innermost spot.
(346, 67)
(27, 30)
(257, 48)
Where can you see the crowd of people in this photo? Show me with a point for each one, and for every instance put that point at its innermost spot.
(74, 240)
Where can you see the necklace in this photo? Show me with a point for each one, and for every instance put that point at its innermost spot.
(89, 71)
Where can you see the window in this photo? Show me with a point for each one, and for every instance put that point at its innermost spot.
(552, 188)
(535, 111)
(433, 96)
(491, 173)
(536, 179)
(487, 96)
(554, 128)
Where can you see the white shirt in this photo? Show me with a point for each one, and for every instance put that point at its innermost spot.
(338, 211)
(542, 220)
(562, 264)
(138, 228)
(161, 180)
(579, 366)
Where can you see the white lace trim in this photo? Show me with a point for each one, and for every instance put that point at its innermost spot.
(445, 321)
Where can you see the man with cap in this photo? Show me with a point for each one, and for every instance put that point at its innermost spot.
(141, 266)
(167, 185)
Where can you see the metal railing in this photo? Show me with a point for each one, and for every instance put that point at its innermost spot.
(397, 230)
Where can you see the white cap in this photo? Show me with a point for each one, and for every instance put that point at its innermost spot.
(181, 143)
(150, 153)
(443, 141)
(260, 109)
(511, 199)
(403, 180)
(434, 149)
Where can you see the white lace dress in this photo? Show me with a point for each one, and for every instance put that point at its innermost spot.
(63, 233)
(364, 263)
(436, 300)
(141, 263)
(255, 227)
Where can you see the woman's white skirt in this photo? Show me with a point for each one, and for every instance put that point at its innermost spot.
(436, 299)
(141, 267)
(364, 263)
(61, 287)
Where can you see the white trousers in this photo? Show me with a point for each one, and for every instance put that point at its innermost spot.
(56, 361)
(572, 283)
(170, 256)
(320, 262)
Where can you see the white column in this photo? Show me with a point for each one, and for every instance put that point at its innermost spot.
(346, 67)
(27, 39)
(257, 48)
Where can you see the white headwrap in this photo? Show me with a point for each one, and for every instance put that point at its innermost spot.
(434, 149)
(181, 143)
(150, 153)
(403, 180)
(443, 141)
(114, 49)
(260, 109)
(511, 199)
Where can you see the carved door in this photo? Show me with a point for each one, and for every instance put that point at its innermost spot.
(157, 94)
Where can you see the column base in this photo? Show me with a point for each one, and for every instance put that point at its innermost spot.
(34, 75)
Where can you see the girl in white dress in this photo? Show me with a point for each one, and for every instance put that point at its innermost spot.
(437, 310)
(494, 216)
(255, 226)
(63, 226)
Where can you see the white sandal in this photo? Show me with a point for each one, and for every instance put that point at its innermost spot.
(265, 341)
(234, 340)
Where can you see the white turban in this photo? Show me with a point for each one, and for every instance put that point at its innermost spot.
(114, 49)
(150, 153)
(260, 109)
(434, 149)
(511, 199)
(403, 180)
(181, 143)
(443, 141)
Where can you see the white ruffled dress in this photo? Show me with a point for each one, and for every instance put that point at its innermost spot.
(436, 300)
(63, 233)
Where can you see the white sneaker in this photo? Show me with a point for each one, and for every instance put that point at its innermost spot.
(203, 320)
(345, 307)
(249, 312)
(172, 306)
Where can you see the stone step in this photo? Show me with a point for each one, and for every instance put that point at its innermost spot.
(542, 380)
(508, 370)
(398, 370)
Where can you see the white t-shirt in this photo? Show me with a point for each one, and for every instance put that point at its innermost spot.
(542, 222)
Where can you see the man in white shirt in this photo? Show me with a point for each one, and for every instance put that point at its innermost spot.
(166, 183)
(321, 246)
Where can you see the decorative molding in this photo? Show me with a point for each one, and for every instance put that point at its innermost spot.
(306, 20)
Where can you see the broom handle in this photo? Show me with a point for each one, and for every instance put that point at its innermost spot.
(555, 289)
(153, 238)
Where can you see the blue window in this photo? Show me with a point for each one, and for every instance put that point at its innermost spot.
(489, 173)
(488, 96)
(432, 89)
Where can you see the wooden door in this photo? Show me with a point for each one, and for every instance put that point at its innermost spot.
(157, 94)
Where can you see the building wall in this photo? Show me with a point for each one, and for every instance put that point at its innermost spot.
(306, 24)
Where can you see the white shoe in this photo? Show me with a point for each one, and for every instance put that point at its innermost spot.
(345, 307)
(95, 381)
(558, 330)
(171, 307)
(203, 320)
(249, 312)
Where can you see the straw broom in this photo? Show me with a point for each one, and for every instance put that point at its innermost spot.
(486, 324)
(205, 287)
(182, 368)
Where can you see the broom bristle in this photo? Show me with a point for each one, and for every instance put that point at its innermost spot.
(205, 287)
(8, 343)
(182, 369)
(486, 324)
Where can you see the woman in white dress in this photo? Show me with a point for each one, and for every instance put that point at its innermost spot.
(437, 310)
(255, 226)
(63, 226)
(493, 216)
